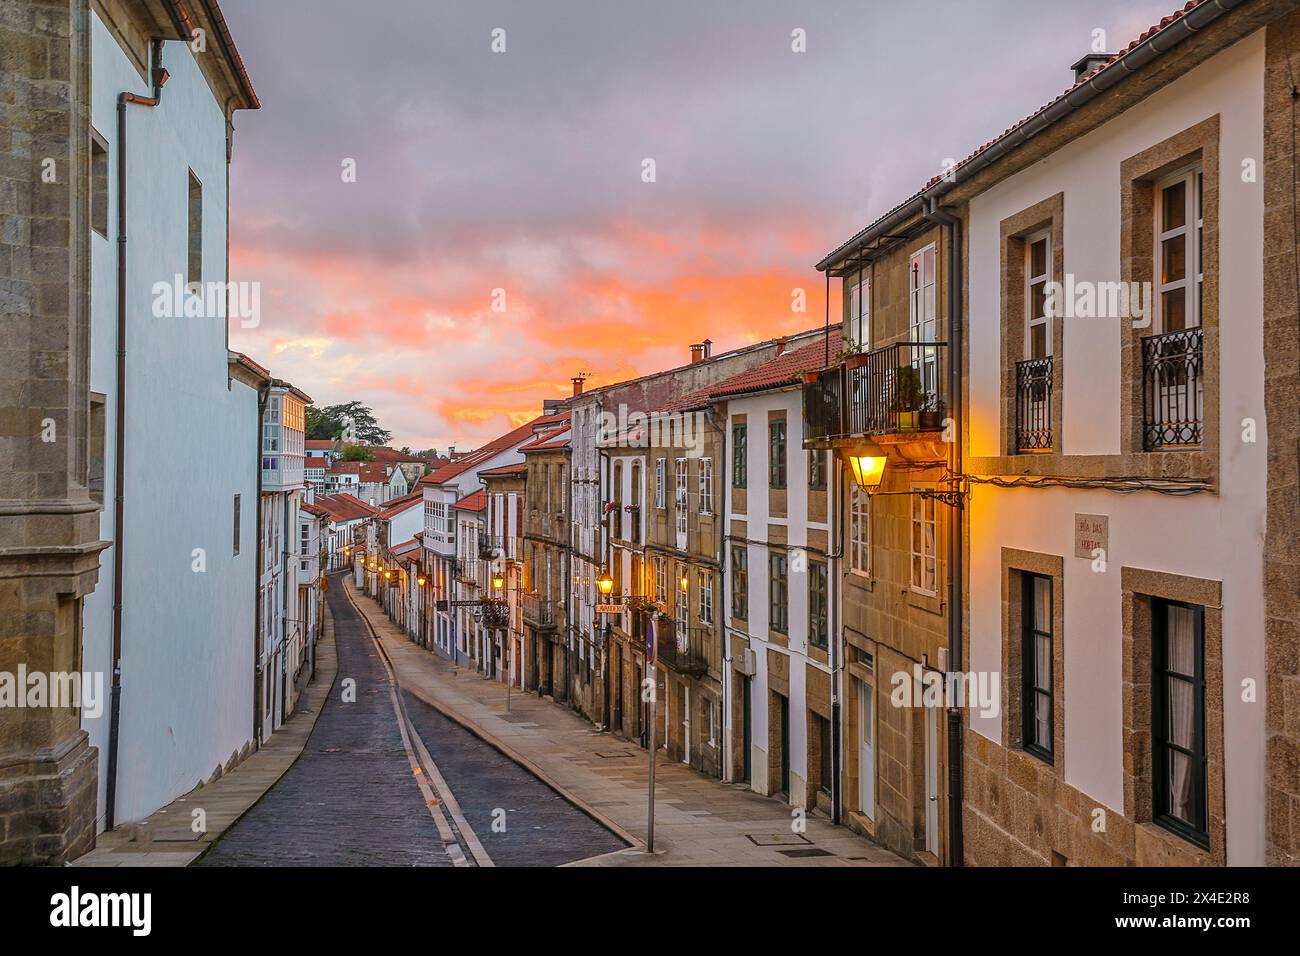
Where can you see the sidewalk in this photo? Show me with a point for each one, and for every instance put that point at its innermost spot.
(699, 821)
(165, 838)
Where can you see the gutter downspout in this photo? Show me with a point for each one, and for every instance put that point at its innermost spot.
(258, 569)
(158, 77)
(956, 605)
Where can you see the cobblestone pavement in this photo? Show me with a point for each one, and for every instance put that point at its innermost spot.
(352, 798)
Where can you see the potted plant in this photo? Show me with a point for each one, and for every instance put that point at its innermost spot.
(907, 397)
(809, 376)
(852, 356)
(932, 416)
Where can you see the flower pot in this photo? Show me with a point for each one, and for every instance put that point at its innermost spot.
(856, 361)
(810, 378)
(908, 421)
(931, 421)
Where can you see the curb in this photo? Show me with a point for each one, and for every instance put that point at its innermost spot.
(506, 750)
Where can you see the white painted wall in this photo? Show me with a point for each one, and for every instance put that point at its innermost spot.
(1209, 536)
(187, 636)
(756, 409)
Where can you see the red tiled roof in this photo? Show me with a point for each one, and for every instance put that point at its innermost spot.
(345, 468)
(398, 505)
(516, 469)
(560, 438)
(375, 471)
(345, 507)
(475, 502)
(248, 363)
(310, 462)
(319, 444)
(510, 439)
(314, 509)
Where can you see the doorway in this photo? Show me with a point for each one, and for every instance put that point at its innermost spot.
(932, 780)
(747, 733)
(866, 750)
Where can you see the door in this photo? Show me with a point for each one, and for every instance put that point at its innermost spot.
(922, 323)
(686, 723)
(785, 745)
(748, 732)
(866, 750)
(932, 780)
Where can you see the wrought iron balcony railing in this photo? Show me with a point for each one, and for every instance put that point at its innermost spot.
(539, 610)
(1172, 389)
(684, 650)
(1034, 404)
(489, 544)
(897, 388)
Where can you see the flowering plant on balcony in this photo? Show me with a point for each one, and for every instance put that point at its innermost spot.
(646, 605)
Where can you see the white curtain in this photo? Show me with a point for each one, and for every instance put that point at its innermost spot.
(1181, 658)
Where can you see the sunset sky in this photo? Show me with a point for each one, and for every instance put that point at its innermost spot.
(522, 171)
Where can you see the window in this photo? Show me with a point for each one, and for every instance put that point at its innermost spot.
(98, 184)
(712, 709)
(778, 590)
(194, 271)
(95, 469)
(706, 486)
(739, 468)
(660, 465)
(661, 580)
(860, 314)
(818, 604)
(1038, 273)
(776, 453)
(739, 581)
(1179, 226)
(683, 609)
(1037, 706)
(817, 470)
(925, 570)
(859, 531)
(236, 524)
(1178, 719)
(683, 502)
(705, 587)
(922, 326)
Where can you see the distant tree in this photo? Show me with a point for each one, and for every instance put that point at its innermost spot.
(357, 453)
(329, 422)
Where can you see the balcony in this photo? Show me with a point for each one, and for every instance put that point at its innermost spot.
(490, 543)
(539, 611)
(894, 390)
(1173, 414)
(1034, 405)
(686, 652)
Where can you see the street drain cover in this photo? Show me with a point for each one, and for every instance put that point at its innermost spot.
(777, 839)
(611, 756)
(806, 851)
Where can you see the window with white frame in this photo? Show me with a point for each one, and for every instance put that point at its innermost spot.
(859, 532)
(661, 465)
(661, 580)
(683, 611)
(922, 325)
(1038, 273)
(706, 486)
(683, 501)
(704, 585)
(860, 314)
(925, 556)
(1179, 224)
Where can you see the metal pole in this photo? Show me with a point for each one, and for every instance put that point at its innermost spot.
(510, 665)
(654, 696)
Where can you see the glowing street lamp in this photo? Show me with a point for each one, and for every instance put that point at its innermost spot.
(605, 583)
(498, 582)
(868, 464)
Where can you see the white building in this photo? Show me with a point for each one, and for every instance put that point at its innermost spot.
(346, 514)
(183, 537)
(282, 648)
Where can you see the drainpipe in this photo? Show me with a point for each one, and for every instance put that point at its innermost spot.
(262, 394)
(159, 77)
(833, 589)
(952, 227)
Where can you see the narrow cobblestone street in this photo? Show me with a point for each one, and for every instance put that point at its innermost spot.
(353, 799)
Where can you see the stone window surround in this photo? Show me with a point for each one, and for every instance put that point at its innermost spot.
(1015, 230)
(1139, 586)
(1138, 175)
(1016, 563)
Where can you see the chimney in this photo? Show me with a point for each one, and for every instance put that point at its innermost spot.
(781, 343)
(1087, 63)
(697, 353)
(708, 348)
(577, 381)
